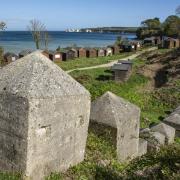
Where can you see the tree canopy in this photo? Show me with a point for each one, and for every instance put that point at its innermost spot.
(149, 27)
(2, 25)
(171, 26)
(151, 23)
(39, 33)
(153, 27)
(178, 10)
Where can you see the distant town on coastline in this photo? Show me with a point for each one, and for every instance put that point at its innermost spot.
(105, 30)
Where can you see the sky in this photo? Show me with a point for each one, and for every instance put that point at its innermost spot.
(63, 14)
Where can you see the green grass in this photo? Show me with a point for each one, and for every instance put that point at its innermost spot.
(100, 156)
(9, 176)
(87, 62)
(98, 81)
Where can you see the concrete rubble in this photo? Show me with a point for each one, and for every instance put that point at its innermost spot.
(166, 130)
(174, 120)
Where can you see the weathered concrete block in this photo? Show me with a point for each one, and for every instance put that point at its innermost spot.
(116, 112)
(44, 117)
(144, 133)
(142, 147)
(155, 141)
(166, 130)
(174, 120)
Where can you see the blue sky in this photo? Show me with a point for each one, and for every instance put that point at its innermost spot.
(62, 14)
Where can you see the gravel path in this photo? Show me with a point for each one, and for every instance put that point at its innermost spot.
(113, 62)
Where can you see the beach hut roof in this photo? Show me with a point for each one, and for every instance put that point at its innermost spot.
(121, 67)
(149, 39)
(125, 62)
(8, 54)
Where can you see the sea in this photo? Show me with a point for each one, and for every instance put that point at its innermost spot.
(16, 41)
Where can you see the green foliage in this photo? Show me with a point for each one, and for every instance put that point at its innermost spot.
(165, 163)
(100, 156)
(119, 40)
(151, 23)
(55, 176)
(172, 26)
(153, 27)
(98, 81)
(10, 176)
(149, 27)
(2, 25)
(58, 48)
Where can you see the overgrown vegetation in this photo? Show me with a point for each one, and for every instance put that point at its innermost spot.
(100, 159)
(98, 81)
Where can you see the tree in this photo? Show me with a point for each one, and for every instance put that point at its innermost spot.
(46, 39)
(172, 26)
(149, 27)
(39, 33)
(119, 40)
(151, 23)
(2, 25)
(178, 10)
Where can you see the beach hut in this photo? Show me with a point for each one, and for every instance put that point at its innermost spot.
(170, 43)
(91, 53)
(126, 62)
(109, 51)
(137, 45)
(24, 53)
(82, 52)
(115, 48)
(76, 52)
(53, 55)
(68, 55)
(10, 57)
(101, 52)
(154, 40)
(157, 40)
(149, 41)
(122, 71)
(127, 46)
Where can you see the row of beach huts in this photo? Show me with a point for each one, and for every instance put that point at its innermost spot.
(75, 52)
(70, 53)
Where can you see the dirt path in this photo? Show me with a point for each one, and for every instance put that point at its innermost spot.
(113, 62)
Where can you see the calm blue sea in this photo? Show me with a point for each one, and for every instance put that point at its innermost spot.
(15, 41)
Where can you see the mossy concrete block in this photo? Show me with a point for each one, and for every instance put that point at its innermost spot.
(116, 112)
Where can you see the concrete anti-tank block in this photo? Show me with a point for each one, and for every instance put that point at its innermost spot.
(44, 117)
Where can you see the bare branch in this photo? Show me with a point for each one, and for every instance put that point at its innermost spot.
(37, 29)
(2, 25)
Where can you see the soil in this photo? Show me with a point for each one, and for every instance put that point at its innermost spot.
(161, 68)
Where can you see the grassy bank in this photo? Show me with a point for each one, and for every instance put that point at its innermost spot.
(100, 158)
(87, 62)
(98, 81)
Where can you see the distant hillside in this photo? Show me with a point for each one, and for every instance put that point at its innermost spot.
(111, 29)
